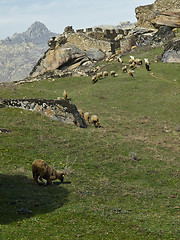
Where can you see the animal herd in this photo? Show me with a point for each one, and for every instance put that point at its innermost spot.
(125, 68)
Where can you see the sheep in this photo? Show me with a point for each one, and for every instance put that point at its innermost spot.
(130, 73)
(65, 94)
(132, 65)
(99, 75)
(175, 30)
(133, 47)
(59, 98)
(138, 61)
(113, 73)
(124, 69)
(81, 112)
(95, 120)
(98, 67)
(87, 116)
(119, 59)
(41, 170)
(131, 60)
(93, 79)
(105, 74)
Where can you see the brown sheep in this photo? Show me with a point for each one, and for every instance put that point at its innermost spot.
(124, 69)
(95, 120)
(113, 73)
(105, 74)
(93, 79)
(42, 170)
(99, 75)
(87, 117)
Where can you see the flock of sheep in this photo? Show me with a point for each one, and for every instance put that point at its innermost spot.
(133, 63)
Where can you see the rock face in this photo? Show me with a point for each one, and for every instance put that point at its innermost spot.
(20, 53)
(164, 11)
(171, 52)
(59, 110)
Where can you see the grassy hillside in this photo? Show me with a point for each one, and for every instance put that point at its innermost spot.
(123, 180)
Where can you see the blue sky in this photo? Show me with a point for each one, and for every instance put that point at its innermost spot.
(17, 15)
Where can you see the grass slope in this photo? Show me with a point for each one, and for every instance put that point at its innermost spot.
(111, 195)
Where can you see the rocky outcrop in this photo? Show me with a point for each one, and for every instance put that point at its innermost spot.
(171, 52)
(147, 14)
(166, 18)
(70, 54)
(59, 110)
(20, 53)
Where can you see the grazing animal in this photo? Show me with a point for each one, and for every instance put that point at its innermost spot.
(41, 170)
(138, 61)
(130, 73)
(133, 47)
(131, 60)
(132, 65)
(124, 69)
(113, 73)
(105, 74)
(87, 116)
(65, 94)
(147, 64)
(99, 75)
(95, 120)
(93, 79)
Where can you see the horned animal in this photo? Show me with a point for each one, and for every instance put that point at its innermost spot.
(41, 170)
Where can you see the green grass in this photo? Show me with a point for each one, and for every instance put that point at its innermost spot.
(111, 195)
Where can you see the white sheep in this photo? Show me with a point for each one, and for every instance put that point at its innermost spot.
(124, 69)
(113, 73)
(105, 74)
(99, 75)
(81, 112)
(87, 116)
(130, 73)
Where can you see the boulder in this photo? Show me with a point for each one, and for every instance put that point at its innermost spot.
(166, 18)
(171, 52)
(164, 34)
(95, 55)
(61, 58)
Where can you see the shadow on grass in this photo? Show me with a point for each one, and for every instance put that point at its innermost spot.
(21, 198)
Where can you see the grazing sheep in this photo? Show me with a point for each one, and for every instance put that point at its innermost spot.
(113, 73)
(111, 60)
(87, 116)
(124, 69)
(138, 61)
(99, 75)
(95, 120)
(119, 59)
(132, 65)
(65, 94)
(93, 79)
(81, 112)
(175, 30)
(107, 60)
(42, 170)
(105, 74)
(98, 67)
(131, 60)
(130, 73)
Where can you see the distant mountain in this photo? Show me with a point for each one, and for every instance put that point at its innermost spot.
(21, 52)
(121, 25)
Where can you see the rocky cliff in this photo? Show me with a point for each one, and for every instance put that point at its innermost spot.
(169, 9)
(20, 53)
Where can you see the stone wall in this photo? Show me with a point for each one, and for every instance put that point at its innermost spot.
(59, 110)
